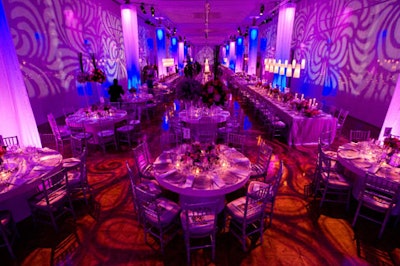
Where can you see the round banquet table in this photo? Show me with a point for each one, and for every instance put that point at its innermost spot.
(21, 173)
(360, 158)
(207, 182)
(95, 121)
(194, 116)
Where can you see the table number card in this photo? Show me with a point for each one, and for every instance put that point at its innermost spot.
(186, 132)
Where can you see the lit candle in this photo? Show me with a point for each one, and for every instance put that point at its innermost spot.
(295, 96)
(302, 96)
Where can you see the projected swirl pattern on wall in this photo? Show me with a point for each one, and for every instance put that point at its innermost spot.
(48, 37)
(348, 47)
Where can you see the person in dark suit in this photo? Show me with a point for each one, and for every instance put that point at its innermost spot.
(115, 91)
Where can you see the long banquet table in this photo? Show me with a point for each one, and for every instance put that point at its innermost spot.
(21, 173)
(303, 130)
(228, 171)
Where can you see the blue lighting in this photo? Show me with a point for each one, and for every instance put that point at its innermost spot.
(263, 44)
(174, 41)
(246, 123)
(150, 43)
(165, 123)
(240, 41)
(160, 34)
(253, 34)
(227, 47)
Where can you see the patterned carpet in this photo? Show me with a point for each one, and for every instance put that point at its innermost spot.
(108, 233)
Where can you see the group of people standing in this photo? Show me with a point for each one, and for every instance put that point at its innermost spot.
(149, 74)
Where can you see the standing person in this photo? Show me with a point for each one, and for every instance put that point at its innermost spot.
(115, 91)
(150, 79)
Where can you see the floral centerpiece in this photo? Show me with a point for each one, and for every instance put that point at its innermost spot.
(188, 89)
(214, 92)
(300, 105)
(392, 142)
(311, 112)
(96, 75)
(3, 151)
(287, 97)
(203, 156)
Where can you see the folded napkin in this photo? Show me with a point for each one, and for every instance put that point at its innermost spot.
(170, 172)
(239, 173)
(162, 161)
(42, 168)
(189, 182)
(163, 204)
(241, 160)
(218, 182)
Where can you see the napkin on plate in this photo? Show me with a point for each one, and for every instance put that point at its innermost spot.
(218, 182)
(170, 172)
(189, 182)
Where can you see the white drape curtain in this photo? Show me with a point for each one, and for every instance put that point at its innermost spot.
(284, 31)
(16, 115)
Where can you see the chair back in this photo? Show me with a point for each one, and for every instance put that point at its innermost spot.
(77, 146)
(141, 155)
(10, 141)
(277, 181)
(49, 141)
(325, 162)
(236, 141)
(54, 126)
(255, 204)
(54, 188)
(133, 174)
(380, 189)
(359, 135)
(199, 219)
(342, 116)
(264, 155)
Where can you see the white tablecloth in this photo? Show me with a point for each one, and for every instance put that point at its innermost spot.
(22, 172)
(302, 130)
(352, 158)
(229, 173)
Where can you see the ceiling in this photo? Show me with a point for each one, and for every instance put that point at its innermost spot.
(189, 17)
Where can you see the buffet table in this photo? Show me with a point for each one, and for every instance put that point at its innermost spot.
(200, 174)
(303, 130)
(20, 174)
(360, 158)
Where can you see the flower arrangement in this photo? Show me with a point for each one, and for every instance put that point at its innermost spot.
(311, 112)
(300, 105)
(201, 156)
(96, 75)
(188, 89)
(287, 97)
(214, 92)
(3, 150)
(392, 142)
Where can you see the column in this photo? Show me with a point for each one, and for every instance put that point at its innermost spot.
(174, 50)
(181, 56)
(161, 51)
(253, 46)
(239, 54)
(16, 113)
(232, 55)
(131, 42)
(284, 39)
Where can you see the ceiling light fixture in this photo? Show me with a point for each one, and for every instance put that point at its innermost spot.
(141, 7)
(262, 10)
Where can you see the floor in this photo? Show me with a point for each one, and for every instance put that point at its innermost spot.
(108, 233)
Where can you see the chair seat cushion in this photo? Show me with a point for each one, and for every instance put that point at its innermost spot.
(168, 211)
(376, 203)
(54, 199)
(199, 225)
(151, 186)
(83, 135)
(236, 209)
(256, 185)
(106, 133)
(125, 129)
(335, 180)
(279, 124)
(70, 163)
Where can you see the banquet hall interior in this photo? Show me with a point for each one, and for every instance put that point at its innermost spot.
(260, 132)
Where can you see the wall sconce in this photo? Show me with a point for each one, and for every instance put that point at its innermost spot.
(303, 64)
(262, 10)
(282, 70)
(152, 11)
(289, 71)
(142, 8)
(296, 73)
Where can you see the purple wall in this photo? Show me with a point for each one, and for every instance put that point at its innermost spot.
(48, 39)
(352, 48)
